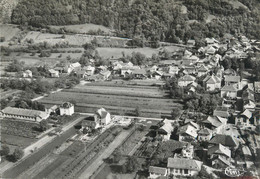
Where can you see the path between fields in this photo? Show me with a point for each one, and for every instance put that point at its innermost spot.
(40, 97)
(37, 145)
(109, 150)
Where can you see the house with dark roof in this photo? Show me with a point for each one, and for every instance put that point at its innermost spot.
(183, 167)
(214, 123)
(139, 73)
(226, 140)
(24, 114)
(185, 80)
(212, 83)
(67, 108)
(220, 156)
(90, 123)
(157, 172)
(221, 111)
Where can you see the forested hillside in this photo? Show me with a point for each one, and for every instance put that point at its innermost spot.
(163, 20)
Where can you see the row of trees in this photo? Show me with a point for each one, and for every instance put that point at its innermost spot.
(148, 19)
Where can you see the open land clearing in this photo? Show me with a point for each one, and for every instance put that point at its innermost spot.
(107, 52)
(75, 39)
(8, 31)
(152, 101)
(83, 28)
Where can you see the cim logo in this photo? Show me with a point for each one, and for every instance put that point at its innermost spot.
(234, 172)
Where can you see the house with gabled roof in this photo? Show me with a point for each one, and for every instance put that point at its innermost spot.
(190, 70)
(210, 41)
(205, 134)
(220, 155)
(233, 80)
(139, 73)
(183, 167)
(212, 83)
(89, 70)
(226, 140)
(54, 73)
(214, 123)
(157, 172)
(187, 133)
(229, 91)
(202, 70)
(185, 80)
(166, 130)
(188, 151)
(243, 119)
(221, 111)
(230, 72)
(27, 74)
(103, 116)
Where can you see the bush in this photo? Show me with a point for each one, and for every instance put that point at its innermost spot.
(5, 150)
(18, 154)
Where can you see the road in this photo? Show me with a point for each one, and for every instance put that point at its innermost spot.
(44, 146)
(108, 151)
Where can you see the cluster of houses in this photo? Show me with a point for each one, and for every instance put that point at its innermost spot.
(222, 138)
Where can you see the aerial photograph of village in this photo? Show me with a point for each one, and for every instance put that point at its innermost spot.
(129, 89)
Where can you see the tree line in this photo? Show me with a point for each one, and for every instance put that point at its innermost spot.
(151, 20)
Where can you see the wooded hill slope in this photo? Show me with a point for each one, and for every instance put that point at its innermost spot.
(155, 20)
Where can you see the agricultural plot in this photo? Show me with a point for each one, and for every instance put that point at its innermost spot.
(76, 39)
(123, 100)
(83, 28)
(8, 31)
(107, 52)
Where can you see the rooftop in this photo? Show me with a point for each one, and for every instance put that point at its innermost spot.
(158, 170)
(183, 163)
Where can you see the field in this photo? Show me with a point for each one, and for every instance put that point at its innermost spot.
(152, 101)
(8, 31)
(83, 28)
(76, 39)
(107, 52)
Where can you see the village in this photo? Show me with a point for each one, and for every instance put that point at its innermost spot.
(211, 132)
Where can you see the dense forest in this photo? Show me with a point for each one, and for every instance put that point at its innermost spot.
(151, 20)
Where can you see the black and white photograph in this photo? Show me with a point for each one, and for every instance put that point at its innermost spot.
(129, 89)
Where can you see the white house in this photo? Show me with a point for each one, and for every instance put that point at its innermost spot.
(185, 80)
(67, 108)
(156, 172)
(204, 134)
(27, 74)
(202, 70)
(54, 73)
(166, 130)
(188, 151)
(229, 91)
(212, 83)
(103, 116)
(187, 133)
(243, 119)
(183, 167)
(233, 80)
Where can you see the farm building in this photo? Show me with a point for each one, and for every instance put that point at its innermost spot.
(67, 109)
(90, 123)
(25, 114)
